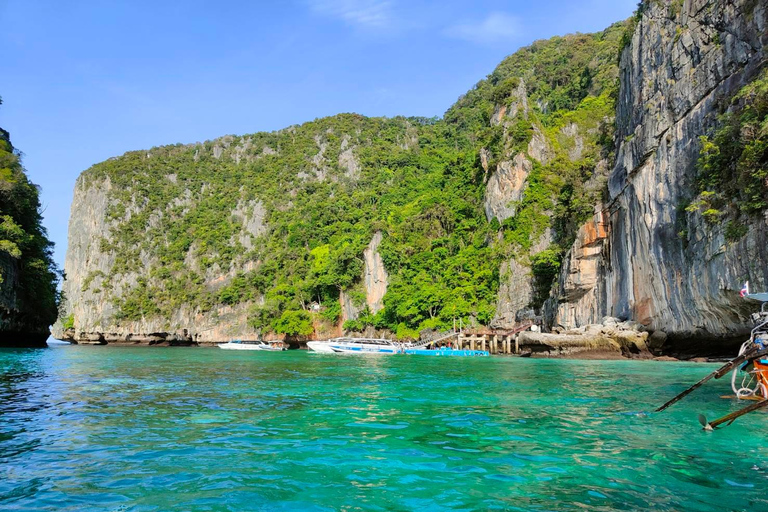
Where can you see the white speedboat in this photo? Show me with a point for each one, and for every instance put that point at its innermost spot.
(253, 345)
(355, 346)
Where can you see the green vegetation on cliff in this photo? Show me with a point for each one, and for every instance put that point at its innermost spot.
(280, 220)
(733, 167)
(406, 180)
(558, 74)
(570, 85)
(28, 276)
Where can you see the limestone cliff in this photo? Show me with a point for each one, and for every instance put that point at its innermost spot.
(548, 162)
(162, 250)
(375, 275)
(643, 256)
(90, 276)
(561, 186)
(373, 284)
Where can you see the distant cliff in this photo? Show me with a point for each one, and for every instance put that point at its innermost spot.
(28, 277)
(311, 230)
(570, 184)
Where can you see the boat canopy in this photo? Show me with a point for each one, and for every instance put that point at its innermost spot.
(364, 341)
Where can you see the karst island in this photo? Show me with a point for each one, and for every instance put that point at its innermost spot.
(379, 255)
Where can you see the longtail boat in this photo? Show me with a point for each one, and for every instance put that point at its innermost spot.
(749, 380)
(749, 370)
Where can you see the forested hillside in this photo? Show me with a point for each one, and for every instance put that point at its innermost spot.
(28, 276)
(270, 229)
(543, 126)
(313, 195)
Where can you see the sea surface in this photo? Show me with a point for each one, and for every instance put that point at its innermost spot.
(192, 429)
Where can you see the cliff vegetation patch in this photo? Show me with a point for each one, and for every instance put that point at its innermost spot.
(733, 164)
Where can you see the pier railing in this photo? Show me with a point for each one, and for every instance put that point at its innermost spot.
(496, 341)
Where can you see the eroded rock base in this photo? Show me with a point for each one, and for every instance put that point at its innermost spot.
(612, 339)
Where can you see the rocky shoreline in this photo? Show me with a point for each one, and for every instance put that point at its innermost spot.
(612, 336)
(612, 339)
(149, 339)
(617, 339)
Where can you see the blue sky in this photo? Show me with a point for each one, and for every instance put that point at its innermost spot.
(82, 81)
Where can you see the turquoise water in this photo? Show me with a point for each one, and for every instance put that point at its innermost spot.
(158, 429)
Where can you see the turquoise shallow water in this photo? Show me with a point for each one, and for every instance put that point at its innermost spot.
(157, 429)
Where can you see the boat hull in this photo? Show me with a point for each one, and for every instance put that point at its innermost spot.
(325, 347)
(320, 347)
(247, 346)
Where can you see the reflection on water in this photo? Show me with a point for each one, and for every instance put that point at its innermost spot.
(95, 428)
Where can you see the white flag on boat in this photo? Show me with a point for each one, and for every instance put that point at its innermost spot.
(745, 289)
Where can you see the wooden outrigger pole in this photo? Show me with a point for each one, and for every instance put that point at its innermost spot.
(730, 418)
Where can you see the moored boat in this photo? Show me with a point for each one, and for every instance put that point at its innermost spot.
(750, 379)
(355, 346)
(253, 345)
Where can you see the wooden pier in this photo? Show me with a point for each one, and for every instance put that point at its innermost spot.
(496, 341)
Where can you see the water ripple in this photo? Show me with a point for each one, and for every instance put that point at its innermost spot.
(132, 429)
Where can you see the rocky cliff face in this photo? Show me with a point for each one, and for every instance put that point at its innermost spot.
(634, 260)
(89, 278)
(126, 260)
(28, 276)
(14, 330)
(375, 276)
(564, 174)
(546, 158)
